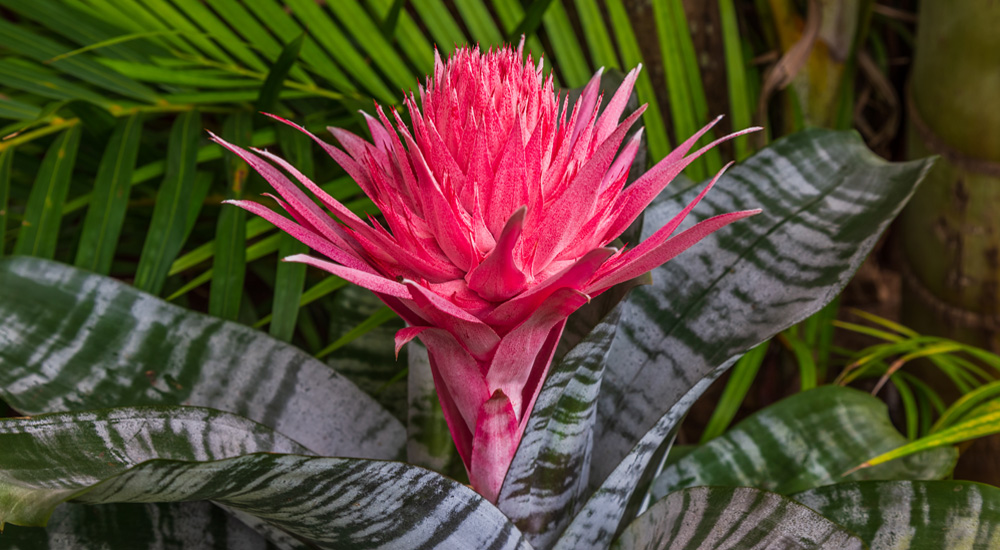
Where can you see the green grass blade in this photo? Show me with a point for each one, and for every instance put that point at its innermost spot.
(742, 377)
(568, 60)
(965, 404)
(35, 79)
(199, 13)
(808, 372)
(442, 26)
(39, 232)
(40, 48)
(168, 226)
(6, 161)
(103, 224)
(340, 49)
(176, 20)
(740, 95)
(530, 21)
(366, 32)
(324, 287)
(407, 34)
(510, 13)
(17, 110)
(373, 321)
(910, 409)
(269, 91)
(598, 40)
(980, 426)
(229, 266)
(628, 47)
(480, 23)
(290, 278)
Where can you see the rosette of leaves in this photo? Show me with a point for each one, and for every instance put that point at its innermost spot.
(135, 401)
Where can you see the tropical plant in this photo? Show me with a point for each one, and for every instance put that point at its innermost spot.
(210, 433)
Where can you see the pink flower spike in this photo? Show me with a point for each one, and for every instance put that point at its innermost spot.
(493, 445)
(497, 200)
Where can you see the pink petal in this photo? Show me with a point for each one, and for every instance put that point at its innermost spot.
(632, 265)
(637, 196)
(375, 283)
(493, 446)
(306, 236)
(519, 349)
(404, 335)
(497, 277)
(461, 377)
(474, 335)
(512, 312)
(611, 114)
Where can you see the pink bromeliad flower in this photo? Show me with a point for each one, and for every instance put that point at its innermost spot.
(499, 206)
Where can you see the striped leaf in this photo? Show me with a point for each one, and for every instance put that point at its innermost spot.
(915, 515)
(807, 440)
(167, 526)
(49, 457)
(733, 517)
(548, 478)
(826, 199)
(325, 502)
(72, 340)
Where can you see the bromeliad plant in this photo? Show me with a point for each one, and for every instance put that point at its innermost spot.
(499, 212)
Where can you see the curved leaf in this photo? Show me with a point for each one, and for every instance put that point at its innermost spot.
(48, 457)
(72, 340)
(804, 441)
(826, 199)
(548, 476)
(327, 502)
(916, 515)
(167, 526)
(733, 517)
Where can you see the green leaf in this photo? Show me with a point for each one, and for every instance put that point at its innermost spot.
(825, 201)
(740, 94)
(804, 441)
(39, 232)
(229, 262)
(276, 76)
(103, 224)
(733, 517)
(978, 426)
(548, 476)
(915, 515)
(167, 526)
(566, 46)
(18, 39)
(338, 503)
(75, 341)
(17, 110)
(480, 23)
(168, 226)
(6, 162)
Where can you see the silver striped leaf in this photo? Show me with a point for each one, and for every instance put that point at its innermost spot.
(73, 340)
(706, 518)
(48, 458)
(326, 502)
(805, 441)
(826, 199)
(164, 526)
(548, 478)
(914, 515)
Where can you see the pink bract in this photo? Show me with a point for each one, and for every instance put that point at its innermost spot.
(499, 205)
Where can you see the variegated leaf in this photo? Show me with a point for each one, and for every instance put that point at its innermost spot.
(549, 474)
(72, 340)
(325, 502)
(165, 526)
(915, 515)
(733, 517)
(804, 441)
(49, 457)
(826, 199)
